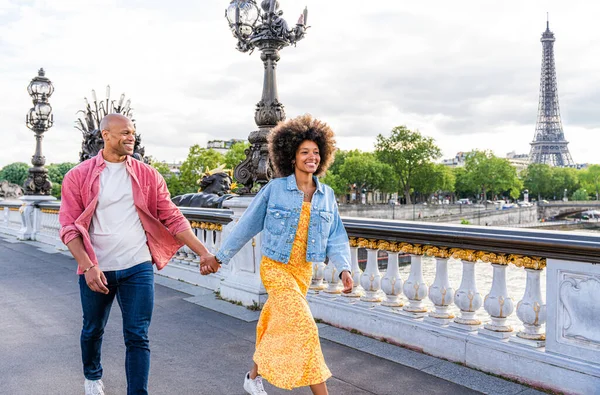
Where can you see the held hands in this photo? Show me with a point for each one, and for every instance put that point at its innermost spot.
(96, 281)
(347, 282)
(208, 264)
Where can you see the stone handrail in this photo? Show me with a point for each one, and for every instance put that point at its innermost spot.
(536, 243)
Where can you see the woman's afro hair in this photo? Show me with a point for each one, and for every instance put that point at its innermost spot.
(286, 137)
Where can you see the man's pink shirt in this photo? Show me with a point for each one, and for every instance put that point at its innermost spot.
(160, 218)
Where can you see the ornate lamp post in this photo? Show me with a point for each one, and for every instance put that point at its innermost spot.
(265, 29)
(39, 119)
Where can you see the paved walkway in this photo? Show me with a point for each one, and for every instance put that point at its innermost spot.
(195, 349)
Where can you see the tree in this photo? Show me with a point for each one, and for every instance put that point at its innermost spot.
(563, 178)
(364, 170)
(591, 179)
(463, 185)
(431, 178)
(405, 151)
(15, 173)
(172, 180)
(236, 154)
(162, 168)
(537, 178)
(492, 174)
(197, 162)
(56, 174)
(336, 182)
(580, 194)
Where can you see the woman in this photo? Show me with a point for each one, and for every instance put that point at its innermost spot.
(300, 224)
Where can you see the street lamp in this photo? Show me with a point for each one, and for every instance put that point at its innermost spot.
(39, 119)
(265, 29)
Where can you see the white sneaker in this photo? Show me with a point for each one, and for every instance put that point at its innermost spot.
(254, 387)
(94, 387)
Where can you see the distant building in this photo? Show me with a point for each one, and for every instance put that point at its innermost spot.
(222, 146)
(457, 161)
(519, 161)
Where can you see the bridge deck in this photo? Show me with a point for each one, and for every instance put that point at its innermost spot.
(195, 349)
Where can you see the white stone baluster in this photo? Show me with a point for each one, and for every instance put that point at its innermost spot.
(331, 275)
(467, 298)
(219, 237)
(370, 280)
(391, 283)
(178, 258)
(210, 238)
(415, 288)
(440, 292)
(189, 256)
(317, 278)
(357, 289)
(531, 310)
(498, 304)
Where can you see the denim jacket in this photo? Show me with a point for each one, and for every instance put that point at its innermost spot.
(276, 211)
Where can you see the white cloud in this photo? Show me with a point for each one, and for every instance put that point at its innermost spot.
(465, 72)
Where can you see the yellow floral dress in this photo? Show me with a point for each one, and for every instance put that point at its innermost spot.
(288, 352)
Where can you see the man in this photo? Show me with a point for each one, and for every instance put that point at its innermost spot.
(117, 220)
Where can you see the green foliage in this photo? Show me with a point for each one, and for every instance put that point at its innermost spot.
(236, 155)
(491, 175)
(537, 178)
(563, 178)
(15, 173)
(463, 186)
(431, 177)
(197, 162)
(336, 182)
(590, 179)
(56, 174)
(405, 151)
(580, 194)
(364, 170)
(172, 180)
(465, 222)
(162, 168)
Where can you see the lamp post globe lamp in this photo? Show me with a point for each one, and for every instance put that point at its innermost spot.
(264, 29)
(39, 119)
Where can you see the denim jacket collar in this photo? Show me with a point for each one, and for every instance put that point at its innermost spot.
(293, 186)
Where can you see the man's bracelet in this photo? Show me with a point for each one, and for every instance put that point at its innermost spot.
(218, 260)
(88, 269)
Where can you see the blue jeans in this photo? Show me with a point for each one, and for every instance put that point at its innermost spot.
(134, 290)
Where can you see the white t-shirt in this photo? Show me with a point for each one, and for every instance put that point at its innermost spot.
(116, 232)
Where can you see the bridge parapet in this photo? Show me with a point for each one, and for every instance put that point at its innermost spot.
(516, 303)
(560, 209)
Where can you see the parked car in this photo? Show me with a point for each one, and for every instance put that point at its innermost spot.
(463, 201)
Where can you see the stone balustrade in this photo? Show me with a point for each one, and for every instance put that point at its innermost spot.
(10, 222)
(426, 286)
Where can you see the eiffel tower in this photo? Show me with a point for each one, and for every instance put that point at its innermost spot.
(549, 145)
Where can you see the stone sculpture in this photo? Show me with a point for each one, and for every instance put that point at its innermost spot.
(10, 191)
(216, 189)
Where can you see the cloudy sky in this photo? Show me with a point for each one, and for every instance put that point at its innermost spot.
(463, 72)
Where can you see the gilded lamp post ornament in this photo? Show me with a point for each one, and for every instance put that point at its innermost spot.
(39, 120)
(265, 29)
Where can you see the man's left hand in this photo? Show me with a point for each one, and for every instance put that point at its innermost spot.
(208, 264)
(347, 282)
